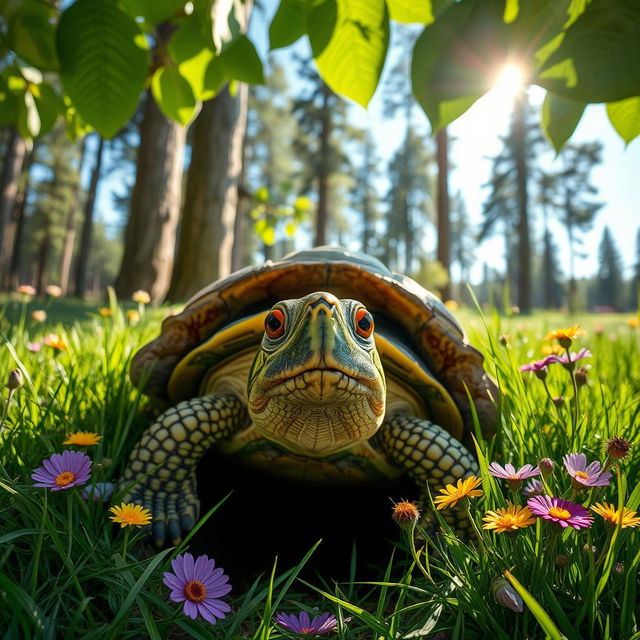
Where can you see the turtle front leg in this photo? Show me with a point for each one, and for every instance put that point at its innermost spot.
(163, 464)
(432, 456)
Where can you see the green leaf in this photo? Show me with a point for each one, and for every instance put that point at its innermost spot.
(8, 104)
(598, 59)
(240, 61)
(47, 104)
(104, 63)
(192, 52)
(411, 11)
(174, 96)
(28, 116)
(214, 79)
(511, 10)
(288, 24)
(560, 117)
(350, 56)
(625, 118)
(32, 35)
(153, 11)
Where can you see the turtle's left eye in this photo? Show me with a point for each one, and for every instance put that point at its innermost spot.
(274, 324)
(364, 323)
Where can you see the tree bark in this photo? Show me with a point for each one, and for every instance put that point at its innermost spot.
(443, 253)
(43, 258)
(208, 218)
(13, 160)
(82, 262)
(322, 213)
(155, 206)
(524, 246)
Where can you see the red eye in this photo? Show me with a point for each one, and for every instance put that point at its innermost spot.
(274, 323)
(364, 323)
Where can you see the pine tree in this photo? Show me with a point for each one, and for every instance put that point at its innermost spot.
(463, 242)
(364, 196)
(635, 281)
(610, 273)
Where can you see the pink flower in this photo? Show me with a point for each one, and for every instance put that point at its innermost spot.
(585, 476)
(34, 347)
(563, 512)
(508, 472)
(538, 365)
(533, 488)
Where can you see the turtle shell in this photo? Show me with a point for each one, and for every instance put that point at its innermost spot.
(416, 317)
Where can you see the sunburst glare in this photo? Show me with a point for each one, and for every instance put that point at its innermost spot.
(509, 81)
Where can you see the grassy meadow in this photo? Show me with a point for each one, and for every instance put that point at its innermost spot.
(66, 571)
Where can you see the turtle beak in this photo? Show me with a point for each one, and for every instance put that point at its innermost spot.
(323, 325)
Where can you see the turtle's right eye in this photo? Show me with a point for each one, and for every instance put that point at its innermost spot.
(274, 324)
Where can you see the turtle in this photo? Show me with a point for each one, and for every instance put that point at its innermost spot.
(324, 367)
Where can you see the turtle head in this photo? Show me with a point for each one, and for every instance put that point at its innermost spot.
(316, 384)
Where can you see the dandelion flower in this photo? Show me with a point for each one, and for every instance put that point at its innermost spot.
(141, 297)
(563, 512)
(625, 518)
(83, 438)
(105, 312)
(39, 315)
(405, 513)
(63, 471)
(26, 290)
(133, 316)
(633, 322)
(512, 518)
(54, 341)
(565, 336)
(54, 290)
(304, 624)
(199, 586)
(130, 515)
(585, 476)
(508, 472)
(451, 494)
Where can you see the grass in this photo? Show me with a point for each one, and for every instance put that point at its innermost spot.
(66, 572)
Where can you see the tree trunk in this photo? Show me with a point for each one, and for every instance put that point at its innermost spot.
(82, 262)
(43, 258)
(322, 214)
(239, 248)
(547, 261)
(70, 232)
(155, 206)
(13, 160)
(208, 217)
(443, 253)
(524, 247)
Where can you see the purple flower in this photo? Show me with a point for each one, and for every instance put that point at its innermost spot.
(564, 359)
(303, 624)
(538, 365)
(199, 586)
(533, 488)
(63, 471)
(508, 472)
(583, 475)
(98, 491)
(566, 514)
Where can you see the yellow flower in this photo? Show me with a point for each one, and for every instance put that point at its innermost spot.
(633, 322)
(39, 315)
(133, 316)
(105, 312)
(552, 349)
(83, 438)
(626, 518)
(463, 489)
(452, 305)
(54, 290)
(141, 297)
(512, 518)
(569, 333)
(54, 341)
(130, 515)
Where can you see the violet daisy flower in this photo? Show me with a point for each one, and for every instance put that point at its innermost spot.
(199, 586)
(303, 624)
(63, 471)
(508, 472)
(538, 365)
(565, 513)
(533, 488)
(564, 359)
(584, 476)
(98, 491)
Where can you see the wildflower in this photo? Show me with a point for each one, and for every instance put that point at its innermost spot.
(54, 341)
(14, 380)
(506, 595)
(582, 375)
(546, 466)
(141, 297)
(585, 476)
(512, 518)
(514, 478)
(39, 315)
(105, 312)
(54, 290)
(405, 514)
(130, 515)
(304, 624)
(98, 491)
(618, 448)
(133, 316)
(63, 471)
(566, 514)
(633, 322)
(27, 290)
(552, 349)
(625, 518)
(539, 367)
(505, 338)
(34, 347)
(618, 567)
(533, 488)
(515, 309)
(599, 329)
(83, 438)
(565, 336)
(463, 489)
(558, 401)
(568, 360)
(452, 305)
(199, 586)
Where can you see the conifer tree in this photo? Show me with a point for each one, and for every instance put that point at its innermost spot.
(610, 273)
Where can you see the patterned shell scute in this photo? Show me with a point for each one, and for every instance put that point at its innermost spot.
(417, 315)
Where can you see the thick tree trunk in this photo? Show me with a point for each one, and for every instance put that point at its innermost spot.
(322, 214)
(70, 232)
(155, 206)
(443, 253)
(208, 218)
(82, 262)
(239, 247)
(524, 246)
(12, 166)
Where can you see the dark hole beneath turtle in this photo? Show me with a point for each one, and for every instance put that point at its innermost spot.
(267, 516)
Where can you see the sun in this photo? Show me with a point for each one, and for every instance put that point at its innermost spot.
(509, 82)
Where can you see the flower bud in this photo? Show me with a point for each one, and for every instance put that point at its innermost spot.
(618, 567)
(582, 375)
(561, 561)
(565, 342)
(504, 339)
(558, 401)
(618, 448)
(546, 466)
(541, 373)
(587, 548)
(506, 595)
(405, 514)
(14, 381)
